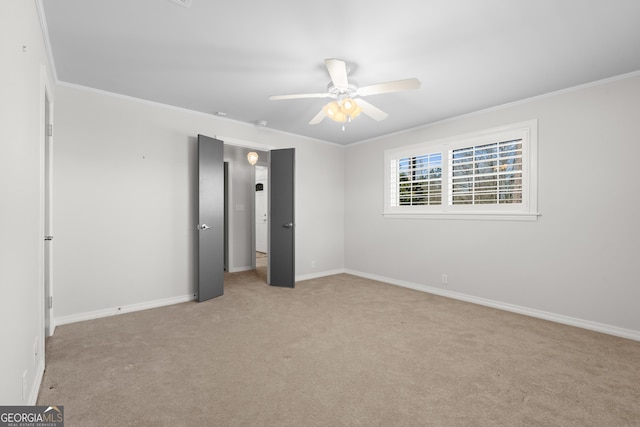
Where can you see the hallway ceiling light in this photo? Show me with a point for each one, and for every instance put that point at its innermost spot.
(252, 157)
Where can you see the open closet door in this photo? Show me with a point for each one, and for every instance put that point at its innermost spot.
(281, 271)
(210, 218)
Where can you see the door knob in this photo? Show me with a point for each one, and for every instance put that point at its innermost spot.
(203, 227)
(289, 225)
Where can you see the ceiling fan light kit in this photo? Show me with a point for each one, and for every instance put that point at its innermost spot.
(344, 108)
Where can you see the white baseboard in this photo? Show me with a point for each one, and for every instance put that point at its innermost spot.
(90, 315)
(35, 390)
(558, 318)
(319, 274)
(239, 269)
(123, 309)
(297, 278)
(80, 317)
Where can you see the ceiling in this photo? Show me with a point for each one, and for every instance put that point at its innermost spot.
(229, 56)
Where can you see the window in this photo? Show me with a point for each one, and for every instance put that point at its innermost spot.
(419, 180)
(486, 174)
(489, 175)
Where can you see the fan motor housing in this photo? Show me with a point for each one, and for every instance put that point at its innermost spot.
(335, 93)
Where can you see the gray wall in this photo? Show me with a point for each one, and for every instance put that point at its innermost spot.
(577, 263)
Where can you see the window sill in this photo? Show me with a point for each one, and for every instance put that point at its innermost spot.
(490, 216)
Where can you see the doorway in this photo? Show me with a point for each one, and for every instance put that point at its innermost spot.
(248, 228)
(261, 216)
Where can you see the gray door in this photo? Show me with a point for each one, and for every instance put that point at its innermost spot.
(281, 270)
(210, 218)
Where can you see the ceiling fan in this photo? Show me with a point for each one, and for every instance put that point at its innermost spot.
(344, 107)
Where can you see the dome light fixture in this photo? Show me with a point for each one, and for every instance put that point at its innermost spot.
(252, 157)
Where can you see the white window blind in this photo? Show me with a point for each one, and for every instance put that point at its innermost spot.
(417, 180)
(486, 174)
(490, 174)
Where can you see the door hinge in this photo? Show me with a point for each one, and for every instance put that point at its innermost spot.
(51, 302)
(50, 130)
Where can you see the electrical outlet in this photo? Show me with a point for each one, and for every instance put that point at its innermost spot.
(445, 279)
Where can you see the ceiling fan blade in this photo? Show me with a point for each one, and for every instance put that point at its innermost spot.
(338, 72)
(396, 86)
(371, 110)
(300, 96)
(318, 118)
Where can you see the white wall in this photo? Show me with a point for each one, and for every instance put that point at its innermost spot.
(125, 195)
(578, 263)
(21, 202)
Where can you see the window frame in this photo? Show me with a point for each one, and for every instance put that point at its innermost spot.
(527, 131)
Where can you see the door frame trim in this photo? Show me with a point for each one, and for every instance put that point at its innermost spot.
(46, 186)
(230, 221)
(246, 144)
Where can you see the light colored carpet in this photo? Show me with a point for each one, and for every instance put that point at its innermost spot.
(337, 351)
(261, 259)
